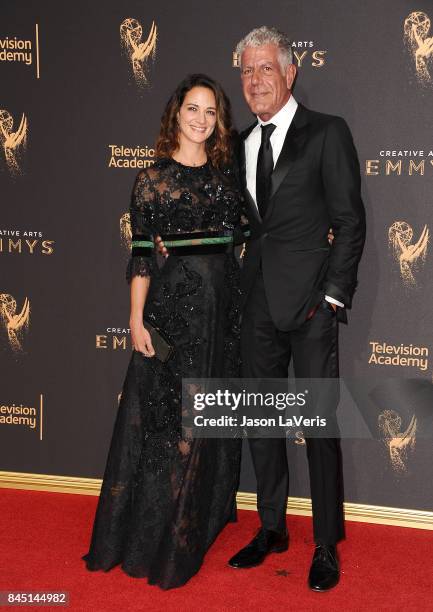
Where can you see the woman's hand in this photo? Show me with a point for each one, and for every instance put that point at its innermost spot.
(141, 340)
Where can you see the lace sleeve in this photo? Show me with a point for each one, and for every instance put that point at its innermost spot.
(242, 229)
(141, 212)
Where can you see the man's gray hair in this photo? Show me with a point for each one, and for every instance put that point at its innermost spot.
(266, 35)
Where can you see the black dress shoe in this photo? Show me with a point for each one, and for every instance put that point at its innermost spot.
(256, 551)
(324, 572)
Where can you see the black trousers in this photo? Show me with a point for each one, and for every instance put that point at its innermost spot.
(266, 352)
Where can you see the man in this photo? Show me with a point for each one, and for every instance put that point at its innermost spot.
(300, 175)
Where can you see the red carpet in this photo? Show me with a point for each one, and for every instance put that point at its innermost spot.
(43, 536)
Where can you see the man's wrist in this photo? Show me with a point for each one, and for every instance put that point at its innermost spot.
(332, 300)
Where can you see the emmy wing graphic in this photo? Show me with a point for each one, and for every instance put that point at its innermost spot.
(125, 230)
(13, 321)
(139, 53)
(398, 443)
(409, 256)
(12, 142)
(419, 44)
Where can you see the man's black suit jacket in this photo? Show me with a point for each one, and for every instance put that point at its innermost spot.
(315, 186)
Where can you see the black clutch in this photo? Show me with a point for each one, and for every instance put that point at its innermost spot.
(163, 346)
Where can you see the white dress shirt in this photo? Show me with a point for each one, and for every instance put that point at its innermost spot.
(282, 121)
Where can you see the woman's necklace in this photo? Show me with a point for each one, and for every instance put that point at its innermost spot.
(189, 163)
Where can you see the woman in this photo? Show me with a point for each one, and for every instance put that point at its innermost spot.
(165, 497)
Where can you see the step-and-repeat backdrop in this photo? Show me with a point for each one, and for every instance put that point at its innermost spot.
(81, 94)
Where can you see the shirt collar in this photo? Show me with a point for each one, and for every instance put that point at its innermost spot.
(284, 116)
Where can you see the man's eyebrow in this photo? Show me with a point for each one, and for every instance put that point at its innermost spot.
(260, 61)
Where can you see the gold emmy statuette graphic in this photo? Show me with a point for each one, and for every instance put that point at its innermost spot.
(13, 321)
(12, 142)
(299, 437)
(139, 52)
(125, 230)
(397, 442)
(419, 44)
(409, 256)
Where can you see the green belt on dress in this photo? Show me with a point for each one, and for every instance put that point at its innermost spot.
(189, 244)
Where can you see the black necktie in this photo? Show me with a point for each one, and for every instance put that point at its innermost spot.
(265, 165)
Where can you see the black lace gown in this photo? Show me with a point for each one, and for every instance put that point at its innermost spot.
(165, 498)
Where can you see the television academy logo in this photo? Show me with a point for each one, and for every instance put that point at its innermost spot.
(410, 257)
(18, 50)
(124, 157)
(13, 142)
(23, 416)
(399, 443)
(419, 45)
(14, 322)
(401, 355)
(138, 52)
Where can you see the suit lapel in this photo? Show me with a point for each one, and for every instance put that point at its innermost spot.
(243, 173)
(288, 154)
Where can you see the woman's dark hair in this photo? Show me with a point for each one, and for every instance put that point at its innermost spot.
(219, 144)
